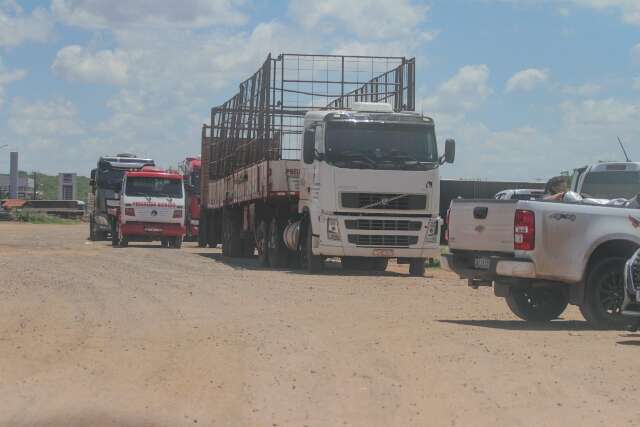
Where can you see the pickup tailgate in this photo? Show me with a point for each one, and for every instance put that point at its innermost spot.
(482, 225)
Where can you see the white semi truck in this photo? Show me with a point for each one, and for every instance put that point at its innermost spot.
(355, 179)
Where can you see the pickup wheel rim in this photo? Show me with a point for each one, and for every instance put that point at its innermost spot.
(611, 293)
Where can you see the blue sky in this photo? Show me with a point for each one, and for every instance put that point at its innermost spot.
(528, 88)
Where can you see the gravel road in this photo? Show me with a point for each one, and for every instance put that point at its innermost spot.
(141, 336)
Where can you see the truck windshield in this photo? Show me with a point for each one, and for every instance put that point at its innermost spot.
(611, 185)
(110, 178)
(395, 146)
(153, 187)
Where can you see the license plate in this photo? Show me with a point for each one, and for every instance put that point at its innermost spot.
(481, 263)
(153, 230)
(383, 252)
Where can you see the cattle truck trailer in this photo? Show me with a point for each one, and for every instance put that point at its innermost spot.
(321, 156)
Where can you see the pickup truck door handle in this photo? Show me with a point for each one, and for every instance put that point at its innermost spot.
(480, 212)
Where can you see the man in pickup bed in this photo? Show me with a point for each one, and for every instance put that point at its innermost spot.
(555, 188)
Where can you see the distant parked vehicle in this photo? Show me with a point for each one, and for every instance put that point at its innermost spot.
(607, 180)
(151, 207)
(106, 181)
(520, 194)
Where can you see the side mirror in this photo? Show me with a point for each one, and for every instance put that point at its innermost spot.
(308, 147)
(449, 151)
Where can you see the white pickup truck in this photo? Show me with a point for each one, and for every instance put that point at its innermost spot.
(542, 255)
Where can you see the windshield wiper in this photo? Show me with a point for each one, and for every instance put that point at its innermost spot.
(359, 156)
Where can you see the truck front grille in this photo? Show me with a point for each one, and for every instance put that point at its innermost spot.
(382, 224)
(384, 201)
(382, 240)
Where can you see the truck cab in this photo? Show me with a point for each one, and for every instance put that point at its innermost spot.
(105, 187)
(370, 184)
(191, 167)
(151, 208)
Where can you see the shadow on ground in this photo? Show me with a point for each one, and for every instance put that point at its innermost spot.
(520, 325)
(332, 268)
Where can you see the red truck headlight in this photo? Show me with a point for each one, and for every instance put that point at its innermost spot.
(129, 212)
(177, 213)
(524, 230)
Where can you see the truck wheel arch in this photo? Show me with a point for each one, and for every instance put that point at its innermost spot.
(623, 248)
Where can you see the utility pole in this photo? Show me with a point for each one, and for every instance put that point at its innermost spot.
(35, 186)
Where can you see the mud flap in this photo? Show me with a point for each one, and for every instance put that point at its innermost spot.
(501, 289)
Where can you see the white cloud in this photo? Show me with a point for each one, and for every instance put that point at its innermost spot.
(77, 63)
(629, 9)
(465, 91)
(7, 77)
(44, 120)
(100, 14)
(17, 27)
(373, 19)
(527, 80)
(587, 89)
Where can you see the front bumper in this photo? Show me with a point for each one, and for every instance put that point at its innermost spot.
(464, 265)
(631, 304)
(380, 237)
(152, 229)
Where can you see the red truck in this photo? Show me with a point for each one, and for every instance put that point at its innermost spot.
(191, 170)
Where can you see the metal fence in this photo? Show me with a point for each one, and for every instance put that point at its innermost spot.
(265, 119)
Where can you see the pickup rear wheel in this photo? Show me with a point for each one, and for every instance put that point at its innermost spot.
(537, 304)
(604, 294)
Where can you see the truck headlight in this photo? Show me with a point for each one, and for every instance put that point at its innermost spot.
(333, 229)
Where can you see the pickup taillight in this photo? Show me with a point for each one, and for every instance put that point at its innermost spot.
(129, 212)
(446, 233)
(177, 213)
(524, 230)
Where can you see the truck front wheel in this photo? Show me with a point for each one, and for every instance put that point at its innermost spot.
(604, 294)
(537, 304)
(417, 267)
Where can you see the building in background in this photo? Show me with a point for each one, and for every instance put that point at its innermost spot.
(67, 187)
(25, 186)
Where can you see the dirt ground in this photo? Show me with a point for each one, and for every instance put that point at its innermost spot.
(141, 336)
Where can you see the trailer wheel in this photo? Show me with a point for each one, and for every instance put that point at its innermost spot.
(262, 239)
(604, 294)
(276, 248)
(231, 238)
(417, 267)
(313, 263)
(537, 304)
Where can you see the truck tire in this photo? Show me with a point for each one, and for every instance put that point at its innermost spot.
(313, 263)
(176, 242)
(604, 294)
(231, 236)
(92, 229)
(202, 230)
(537, 304)
(417, 267)
(115, 238)
(262, 240)
(277, 251)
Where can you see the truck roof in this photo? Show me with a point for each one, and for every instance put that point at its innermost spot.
(614, 167)
(148, 172)
(348, 114)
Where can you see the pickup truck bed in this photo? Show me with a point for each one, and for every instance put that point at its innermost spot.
(571, 252)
